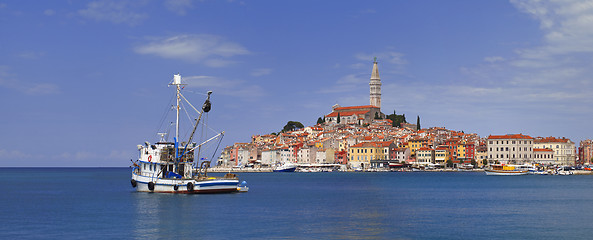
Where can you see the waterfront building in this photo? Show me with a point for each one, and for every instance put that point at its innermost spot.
(287, 155)
(586, 151)
(341, 157)
(242, 156)
(543, 156)
(441, 155)
(425, 156)
(564, 149)
(510, 148)
(360, 155)
(401, 154)
(481, 154)
(306, 154)
(451, 144)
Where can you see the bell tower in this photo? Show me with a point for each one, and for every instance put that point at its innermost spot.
(375, 86)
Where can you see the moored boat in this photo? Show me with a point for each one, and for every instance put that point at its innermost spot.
(170, 167)
(286, 167)
(505, 170)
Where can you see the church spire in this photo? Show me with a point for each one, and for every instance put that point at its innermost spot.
(375, 85)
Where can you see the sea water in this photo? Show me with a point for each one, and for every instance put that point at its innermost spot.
(99, 203)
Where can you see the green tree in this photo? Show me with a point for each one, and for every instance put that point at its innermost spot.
(485, 162)
(418, 123)
(396, 120)
(291, 126)
(338, 118)
(320, 120)
(474, 163)
(450, 163)
(377, 115)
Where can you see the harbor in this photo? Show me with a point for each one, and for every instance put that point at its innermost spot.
(336, 205)
(328, 169)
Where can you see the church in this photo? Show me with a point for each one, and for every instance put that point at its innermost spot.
(361, 114)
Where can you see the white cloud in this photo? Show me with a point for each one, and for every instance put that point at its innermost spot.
(210, 50)
(113, 11)
(49, 12)
(348, 83)
(236, 88)
(261, 72)
(31, 55)
(10, 81)
(392, 57)
(13, 155)
(179, 7)
(494, 59)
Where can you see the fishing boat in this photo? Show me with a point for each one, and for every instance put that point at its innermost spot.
(171, 167)
(286, 167)
(505, 170)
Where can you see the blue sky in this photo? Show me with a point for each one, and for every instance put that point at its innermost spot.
(83, 82)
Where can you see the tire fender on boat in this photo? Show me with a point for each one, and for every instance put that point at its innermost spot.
(190, 187)
(151, 186)
(149, 158)
(134, 183)
(176, 187)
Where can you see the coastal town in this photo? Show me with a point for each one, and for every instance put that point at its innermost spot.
(362, 138)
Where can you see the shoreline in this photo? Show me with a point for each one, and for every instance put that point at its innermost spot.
(261, 170)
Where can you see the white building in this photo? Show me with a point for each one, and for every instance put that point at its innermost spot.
(510, 148)
(270, 157)
(425, 156)
(543, 156)
(564, 149)
(400, 154)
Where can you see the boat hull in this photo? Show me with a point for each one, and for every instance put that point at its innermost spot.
(292, 169)
(184, 186)
(505, 172)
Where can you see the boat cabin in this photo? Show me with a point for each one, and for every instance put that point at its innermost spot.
(158, 160)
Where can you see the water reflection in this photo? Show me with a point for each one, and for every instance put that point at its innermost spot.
(163, 215)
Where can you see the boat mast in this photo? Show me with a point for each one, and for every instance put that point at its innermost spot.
(177, 83)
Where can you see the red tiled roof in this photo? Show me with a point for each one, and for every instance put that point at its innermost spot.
(551, 139)
(372, 144)
(424, 149)
(355, 107)
(349, 113)
(542, 150)
(510, 136)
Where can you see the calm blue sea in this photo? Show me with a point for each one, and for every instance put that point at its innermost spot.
(99, 203)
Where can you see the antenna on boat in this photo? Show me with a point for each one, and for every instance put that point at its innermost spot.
(162, 137)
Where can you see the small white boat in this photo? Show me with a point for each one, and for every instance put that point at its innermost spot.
(286, 167)
(564, 171)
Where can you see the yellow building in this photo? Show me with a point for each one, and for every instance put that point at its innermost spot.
(361, 155)
(319, 144)
(441, 156)
(461, 151)
(417, 143)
